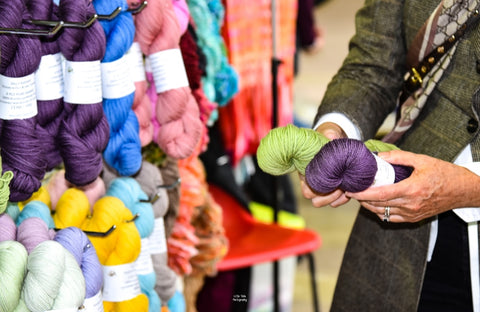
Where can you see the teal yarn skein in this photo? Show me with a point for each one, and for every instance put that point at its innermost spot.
(13, 264)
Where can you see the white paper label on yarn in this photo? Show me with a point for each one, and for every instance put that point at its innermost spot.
(135, 61)
(117, 80)
(168, 70)
(83, 82)
(385, 173)
(158, 241)
(64, 310)
(144, 263)
(18, 98)
(49, 78)
(93, 304)
(120, 282)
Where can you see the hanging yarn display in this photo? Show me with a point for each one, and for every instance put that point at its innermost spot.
(49, 84)
(152, 183)
(176, 120)
(53, 280)
(123, 151)
(13, 266)
(117, 252)
(220, 83)
(20, 57)
(78, 244)
(84, 133)
(348, 164)
(129, 191)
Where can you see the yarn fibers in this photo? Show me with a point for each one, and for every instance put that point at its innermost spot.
(129, 191)
(123, 151)
(13, 265)
(343, 163)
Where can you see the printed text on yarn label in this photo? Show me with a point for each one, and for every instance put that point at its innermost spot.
(385, 173)
(117, 80)
(17, 97)
(144, 264)
(120, 282)
(83, 82)
(168, 70)
(49, 78)
(93, 304)
(158, 241)
(135, 61)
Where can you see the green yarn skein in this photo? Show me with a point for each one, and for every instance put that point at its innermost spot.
(13, 264)
(289, 148)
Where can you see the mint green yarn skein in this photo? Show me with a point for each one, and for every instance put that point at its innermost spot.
(289, 148)
(13, 264)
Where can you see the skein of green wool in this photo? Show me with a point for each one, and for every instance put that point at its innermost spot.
(13, 264)
(289, 148)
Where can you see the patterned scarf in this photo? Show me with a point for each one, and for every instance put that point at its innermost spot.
(445, 20)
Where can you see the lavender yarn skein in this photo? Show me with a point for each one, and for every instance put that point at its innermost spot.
(84, 133)
(20, 57)
(346, 164)
(79, 245)
(8, 229)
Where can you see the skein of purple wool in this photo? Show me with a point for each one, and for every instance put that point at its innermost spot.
(21, 150)
(50, 112)
(84, 132)
(346, 164)
(78, 244)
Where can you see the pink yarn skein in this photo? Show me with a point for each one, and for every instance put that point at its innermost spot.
(176, 110)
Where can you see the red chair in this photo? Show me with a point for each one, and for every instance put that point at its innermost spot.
(253, 242)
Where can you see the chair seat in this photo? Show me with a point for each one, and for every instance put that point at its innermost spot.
(252, 242)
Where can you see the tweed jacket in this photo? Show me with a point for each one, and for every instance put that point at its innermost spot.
(384, 263)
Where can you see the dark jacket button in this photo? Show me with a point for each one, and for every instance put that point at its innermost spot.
(472, 125)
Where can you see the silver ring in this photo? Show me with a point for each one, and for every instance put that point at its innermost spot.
(386, 215)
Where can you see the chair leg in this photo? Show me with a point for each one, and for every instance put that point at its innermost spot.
(311, 265)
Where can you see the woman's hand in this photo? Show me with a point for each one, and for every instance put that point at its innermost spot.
(337, 197)
(434, 186)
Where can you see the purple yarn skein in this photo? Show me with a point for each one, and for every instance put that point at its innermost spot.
(8, 229)
(84, 133)
(21, 150)
(346, 164)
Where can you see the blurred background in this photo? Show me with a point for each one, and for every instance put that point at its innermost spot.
(335, 18)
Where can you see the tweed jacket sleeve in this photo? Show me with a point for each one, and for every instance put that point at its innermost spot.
(366, 87)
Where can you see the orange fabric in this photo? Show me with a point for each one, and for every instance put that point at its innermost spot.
(247, 34)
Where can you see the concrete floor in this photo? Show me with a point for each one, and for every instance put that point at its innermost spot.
(336, 17)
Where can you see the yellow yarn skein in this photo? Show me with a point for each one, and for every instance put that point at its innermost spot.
(71, 209)
(121, 246)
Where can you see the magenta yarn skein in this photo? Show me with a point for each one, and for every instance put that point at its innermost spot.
(346, 164)
(21, 150)
(84, 133)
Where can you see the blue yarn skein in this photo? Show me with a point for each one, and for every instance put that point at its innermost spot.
(123, 151)
(37, 209)
(129, 191)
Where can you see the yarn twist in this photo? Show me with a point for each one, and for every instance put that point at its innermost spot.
(176, 112)
(54, 280)
(5, 189)
(13, 265)
(78, 244)
(84, 133)
(32, 232)
(20, 57)
(123, 151)
(8, 229)
(120, 247)
(344, 163)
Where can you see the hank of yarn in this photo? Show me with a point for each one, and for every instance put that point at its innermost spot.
(123, 151)
(289, 148)
(13, 265)
(129, 191)
(72, 209)
(8, 229)
(37, 209)
(78, 244)
(20, 58)
(32, 232)
(346, 164)
(54, 279)
(120, 247)
(84, 132)
(5, 189)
